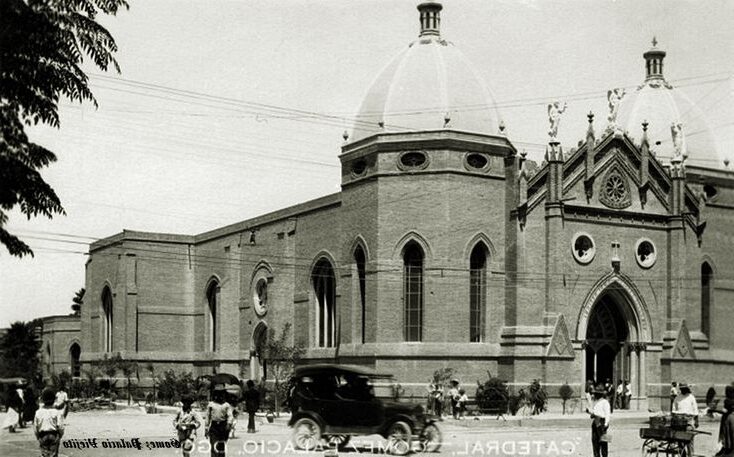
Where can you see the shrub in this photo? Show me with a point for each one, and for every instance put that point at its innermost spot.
(566, 393)
(173, 386)
(492, 395)
(537, 397)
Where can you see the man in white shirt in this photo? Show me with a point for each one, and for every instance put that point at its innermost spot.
(685, 404)
(601, 414)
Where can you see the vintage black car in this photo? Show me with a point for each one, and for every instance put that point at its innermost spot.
(331, 403)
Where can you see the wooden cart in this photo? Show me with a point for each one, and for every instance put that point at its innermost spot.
(668, 438)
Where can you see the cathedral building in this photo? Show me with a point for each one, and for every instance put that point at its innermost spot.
(446, 247)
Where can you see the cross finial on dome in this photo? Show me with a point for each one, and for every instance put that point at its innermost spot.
(430, 18)
(654, 61)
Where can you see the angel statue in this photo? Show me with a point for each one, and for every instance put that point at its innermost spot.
(554, 117)
(676, 130)
(614, 96)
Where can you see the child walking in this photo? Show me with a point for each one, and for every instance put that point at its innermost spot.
(186, 422)
(48, 425)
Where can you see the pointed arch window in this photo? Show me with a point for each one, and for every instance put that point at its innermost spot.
(74, 355)
(108, 322)
(477, 292)
(707, 295)
(324, 286)
(413, 291)
(361, 261)
(212, 297)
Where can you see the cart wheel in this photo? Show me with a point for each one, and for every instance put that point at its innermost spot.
(650, 448)
(430, 439)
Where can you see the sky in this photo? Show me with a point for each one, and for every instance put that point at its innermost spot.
(200, 128)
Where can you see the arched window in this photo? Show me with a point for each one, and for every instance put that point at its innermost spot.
(477, 292)
(212, 293)
(75, 353)
(108, 322)
(707, 292)
(359, 259)
(413, 291)
(324, 286)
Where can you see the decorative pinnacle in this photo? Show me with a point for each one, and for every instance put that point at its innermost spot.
(345, 135)
(590, 116)
(446, 119)
(644, 125)
(654, 41)
(381, 124)
(502, 127)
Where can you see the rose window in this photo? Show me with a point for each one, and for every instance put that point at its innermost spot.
(615, 193)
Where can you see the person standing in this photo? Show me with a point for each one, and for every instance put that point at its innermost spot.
(186, 422)
(619, 398)
(14, 405)
(609, 390)
(62, 401)
(252, 404)
(673, 393)
(627, 395)
(726, 427)
(601, 413)
(454, 398)
(685, 405)
(31, 404)
(21, 395)
(463, 400)
(48, 425)
(437, 398)
(218, 422)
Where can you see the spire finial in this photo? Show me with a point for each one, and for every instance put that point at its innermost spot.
(590, 116)
(654, 41)
(644, 125)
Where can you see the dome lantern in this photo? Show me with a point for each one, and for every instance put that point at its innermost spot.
(430, 18)
(654, 61)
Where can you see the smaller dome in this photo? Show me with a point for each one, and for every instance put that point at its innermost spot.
(663, 106)
(430, 85)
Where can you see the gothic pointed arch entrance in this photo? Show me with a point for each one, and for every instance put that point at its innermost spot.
(614, 329)
(258, 365)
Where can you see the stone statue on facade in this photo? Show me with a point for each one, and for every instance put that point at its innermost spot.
(614, 97)
(554, 117)
(679, 150)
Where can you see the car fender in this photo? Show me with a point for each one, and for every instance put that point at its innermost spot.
(311, 415)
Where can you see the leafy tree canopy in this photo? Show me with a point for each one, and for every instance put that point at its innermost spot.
(42, 46)
(19, 351)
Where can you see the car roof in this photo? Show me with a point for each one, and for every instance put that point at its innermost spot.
(334, 368)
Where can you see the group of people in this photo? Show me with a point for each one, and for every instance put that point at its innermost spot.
(220, 419)
(47, 421)
(618, 398)
(456, 396)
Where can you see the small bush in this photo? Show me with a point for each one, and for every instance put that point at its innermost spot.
(566, 393)
(537, 397)
(493, 395)
(173, 386)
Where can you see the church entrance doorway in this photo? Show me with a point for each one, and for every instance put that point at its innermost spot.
(258, 364)
(608, 340)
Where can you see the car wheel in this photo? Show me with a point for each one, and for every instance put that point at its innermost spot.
(430, 438)
(338, 441)
(306, 434)
(399, 437)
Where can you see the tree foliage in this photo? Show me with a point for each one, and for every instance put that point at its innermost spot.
(281, 358)
(19, 351)
(78, 301)
(43, 44)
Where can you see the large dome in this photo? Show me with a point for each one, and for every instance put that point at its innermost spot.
(429, 85)
(661, 105)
